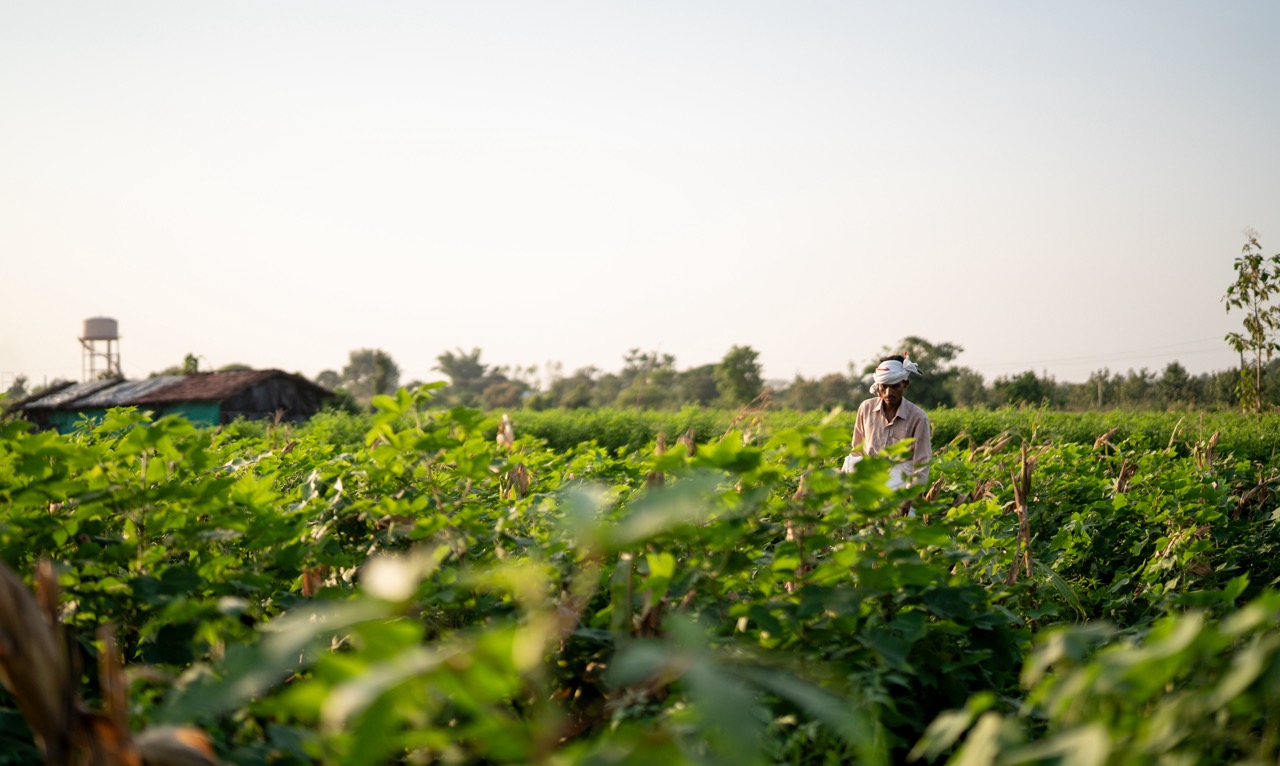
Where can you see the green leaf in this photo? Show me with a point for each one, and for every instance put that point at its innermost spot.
(1063, 588)
(251, 670)
(949, 726)
(853, 724)
(1086, 745)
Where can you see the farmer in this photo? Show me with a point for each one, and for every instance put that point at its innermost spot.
(888, 419)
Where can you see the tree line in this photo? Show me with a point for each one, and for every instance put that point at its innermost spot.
(647, 380)
(651, 380)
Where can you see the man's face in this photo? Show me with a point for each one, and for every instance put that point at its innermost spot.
(891, 394)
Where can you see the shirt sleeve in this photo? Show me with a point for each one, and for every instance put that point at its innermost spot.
(922, 449)
(859, 433)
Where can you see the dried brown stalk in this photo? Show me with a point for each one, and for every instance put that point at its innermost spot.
(520, 481)
(1021, 492)
(1255, 497)
(656, 479)
(33, 663)
(36, 669)
(687, 440)
(1127, 470)
(1105, 439)
(1204, 452)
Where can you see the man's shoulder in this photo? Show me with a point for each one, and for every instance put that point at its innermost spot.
(867, 405)
(912, 410)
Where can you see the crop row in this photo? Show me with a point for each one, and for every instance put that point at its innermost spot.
(407, 587)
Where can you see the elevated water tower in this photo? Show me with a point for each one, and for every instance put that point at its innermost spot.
(101, 344)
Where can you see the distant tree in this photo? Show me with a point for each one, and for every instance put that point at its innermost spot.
(235, 367)
(1271, 373)
(1104, 387)
(466, 375)
(654, 390)
(328, 379)
(1222, 388)
(696, 385)
(606, 389)
(17, 389)
(462, 367)
(503, 394)
(1086, 395)
(738, 379)
(966, 388)
(572, 392)
(500, 388)
(190, 366)
(826, 393)
(640, 364)
(1026, 388)
(526, 376)
(646, 380)
(342, 401)
(1257, 283)
(369, 372)
(472, 383)
(553, 370)
(1137, 389)
(801, 394)
(546, 399)
(1176, 386)
(836, 390)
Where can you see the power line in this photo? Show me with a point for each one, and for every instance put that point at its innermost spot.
(1148, 352)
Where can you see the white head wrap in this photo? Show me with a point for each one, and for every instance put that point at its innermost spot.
(893, 371)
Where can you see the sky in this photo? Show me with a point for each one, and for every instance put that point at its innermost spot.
(1056, 187)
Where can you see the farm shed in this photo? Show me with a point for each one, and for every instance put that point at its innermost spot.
(208, 398)
(48, 410)
(94, 406)
(221, 397)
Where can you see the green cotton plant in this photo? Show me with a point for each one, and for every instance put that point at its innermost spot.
(1189, 690)
(1116, 532)
(126, 517)
(851, 570)
(585, 603)
(1251, 437)
(553, 616)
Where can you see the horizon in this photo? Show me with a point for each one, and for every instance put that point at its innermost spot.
(540, 377)
(1054, 189)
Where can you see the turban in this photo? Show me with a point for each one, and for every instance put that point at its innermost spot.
(893, 371)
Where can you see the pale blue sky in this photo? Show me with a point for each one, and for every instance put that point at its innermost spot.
(1058, 187)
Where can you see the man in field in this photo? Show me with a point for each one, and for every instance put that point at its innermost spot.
(888, 419)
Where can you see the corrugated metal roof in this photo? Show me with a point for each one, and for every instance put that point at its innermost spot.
(65, 396)
(126, 393)
(168, 389)
(213, 386)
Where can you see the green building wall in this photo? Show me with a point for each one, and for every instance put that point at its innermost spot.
(199, 413)
(67, 421)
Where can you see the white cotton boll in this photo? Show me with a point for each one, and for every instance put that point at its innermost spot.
(392, 578)
(396, 577)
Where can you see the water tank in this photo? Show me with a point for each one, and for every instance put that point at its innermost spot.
(100, 328)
